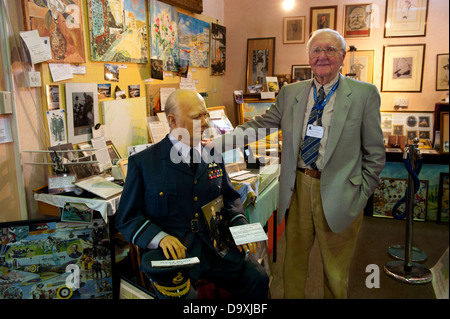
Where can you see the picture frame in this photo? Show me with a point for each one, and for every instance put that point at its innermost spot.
(359, 65)
(443, 198)
(110, 43)
(442, 76)
(323, 17)
(406, 18)
(408, 123)
(294, 30)
(392, 190)
(49, 259)
(218, 44)
(444, 129)
(301, 72)
(403, 68)
(357, 20)
(260, 60)
(252, 106)
(67, 44)
(82, 111)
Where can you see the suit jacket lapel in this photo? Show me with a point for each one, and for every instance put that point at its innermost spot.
(342, 105)
(298, 115)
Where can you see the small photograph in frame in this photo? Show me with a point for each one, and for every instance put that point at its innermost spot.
(82, 111)
(293, 30)
(77, 213)
(56, 121)
(301, 72)
(442, 212)
(260, 60)
(359, 65)
(53, 97)
(323, 17)
(357, 21)
(390, 191)
(403, 68)
(442, 78)
(406, 18)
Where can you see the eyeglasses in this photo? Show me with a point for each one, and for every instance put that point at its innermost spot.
(329, 51)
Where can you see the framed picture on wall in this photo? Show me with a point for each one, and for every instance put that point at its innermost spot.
(323, 17)
(62, 24)
(403, 68)
(82, 111)
(293, 30)
(260, 60)
(359, 65)
(442, 77)
(357, 21)
(301, 72)
(406, 18)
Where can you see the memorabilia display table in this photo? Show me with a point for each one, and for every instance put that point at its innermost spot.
(106, 207)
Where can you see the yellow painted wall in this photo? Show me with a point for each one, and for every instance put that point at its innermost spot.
(133, 74)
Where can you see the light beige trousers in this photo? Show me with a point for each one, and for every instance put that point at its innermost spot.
(305, 222)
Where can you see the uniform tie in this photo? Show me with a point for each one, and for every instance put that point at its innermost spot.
(310, 147)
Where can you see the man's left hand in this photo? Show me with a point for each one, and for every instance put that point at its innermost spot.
(250, 247)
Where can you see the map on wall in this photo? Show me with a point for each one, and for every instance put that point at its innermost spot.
(164, 34)
(61, 22)
(118, 31)
(193, 35)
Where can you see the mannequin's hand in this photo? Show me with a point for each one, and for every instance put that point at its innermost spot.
(172, 245)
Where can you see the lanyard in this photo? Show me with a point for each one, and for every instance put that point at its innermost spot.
(321, 106)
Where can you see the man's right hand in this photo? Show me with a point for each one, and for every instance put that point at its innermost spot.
(172, 245)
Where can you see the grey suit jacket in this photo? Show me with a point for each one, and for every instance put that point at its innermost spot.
(354, 155)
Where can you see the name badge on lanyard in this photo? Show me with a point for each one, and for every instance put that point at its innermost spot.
(314, 131)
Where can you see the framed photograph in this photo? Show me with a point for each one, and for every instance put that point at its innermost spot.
(294, 30)
(56, 121)
(218, 49)
(444, 132)
(442, 78)
(359, 65)
(442, 213)
(408, 123)
(403, 68)
(406, 18)
(391, 190)
(62, 24)
(357, 20)
(301, 72)
(260, 60)
(52, 259)
(322, 17)
(82, 111)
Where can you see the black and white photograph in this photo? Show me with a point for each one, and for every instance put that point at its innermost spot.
(53, 97)
(56, 120)
(82, 111)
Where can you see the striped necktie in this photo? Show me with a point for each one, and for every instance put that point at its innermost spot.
(310, 147)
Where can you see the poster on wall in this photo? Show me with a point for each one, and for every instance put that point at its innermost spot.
(218, 49)
(118, 31)
(164, 34)
(193, 36)
(51, 259)
(62, 22)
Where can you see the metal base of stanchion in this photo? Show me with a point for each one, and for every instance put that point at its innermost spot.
(398, 252)
(417, 274)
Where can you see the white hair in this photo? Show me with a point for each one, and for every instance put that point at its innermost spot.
(330, 32)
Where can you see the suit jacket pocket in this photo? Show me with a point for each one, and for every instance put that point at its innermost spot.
(157, 199)
(356, 180)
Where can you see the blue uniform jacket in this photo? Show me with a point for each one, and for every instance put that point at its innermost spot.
(163, 195)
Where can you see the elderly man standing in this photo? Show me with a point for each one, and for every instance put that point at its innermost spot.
(333, 153)
(160, 208)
